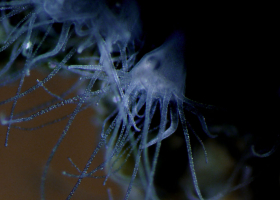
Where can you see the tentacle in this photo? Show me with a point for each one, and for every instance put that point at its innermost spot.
(189, 149)
(24, 73)
(194, 103)
(141, 102)
(135, 170)
(72, 117)
(107, 62)
(74, 165)
(173, 127)
(48, 103)
(27, 50)
(228, 188)
(61, 41)
(43, 39)
(130, 149)
(145, 132)
(15, 53)
(104, 135)
(201, 119)
(49, 92)
(163, 121)
(12, 39)
(200, 141)
(41, 112)
(87, 67)
(263, 155)
(16, 27)
(122, 49)
(42, 125)
(89, 42)
(88, 75)
(112, 125)
(50, 76)
(14, 3)
(126, 103)
(19, 9)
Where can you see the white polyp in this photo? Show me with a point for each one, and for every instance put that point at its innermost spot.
(163, 68)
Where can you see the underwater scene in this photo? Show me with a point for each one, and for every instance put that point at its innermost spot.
(141, 100)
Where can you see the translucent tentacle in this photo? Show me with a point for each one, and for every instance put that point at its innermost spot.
(87, 67)
(41, 112)
(149, 111)
(163, 121)
(201, 119)
(135, 170)
(70, 121)
(189, 149)
(13, 12)
(24, 73)
(200, 141)
(54, 72)
(131, 147)
(138, 106)
(42, 125)
(14, 3)
(107, 62)
(16, 27)
(173, 127)
(13, 57)
(263, 155)
(61, 41)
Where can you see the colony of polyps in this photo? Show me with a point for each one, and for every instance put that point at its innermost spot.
(156, 81)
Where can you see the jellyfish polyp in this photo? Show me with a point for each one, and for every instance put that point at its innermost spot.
(155, 84)
(48, 29)
(159, 79)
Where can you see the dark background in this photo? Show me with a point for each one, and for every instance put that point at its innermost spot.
(231, 63)
(230, 55)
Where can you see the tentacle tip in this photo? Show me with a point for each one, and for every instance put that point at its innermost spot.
(213, 136)
(262, 155)
(135, 126)
(80, 49)
(104, 183)
(137, 129)
(3, 120)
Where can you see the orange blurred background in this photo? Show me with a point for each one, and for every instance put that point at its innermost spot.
(23, 160)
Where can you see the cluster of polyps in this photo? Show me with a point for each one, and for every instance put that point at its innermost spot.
(157, 81)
